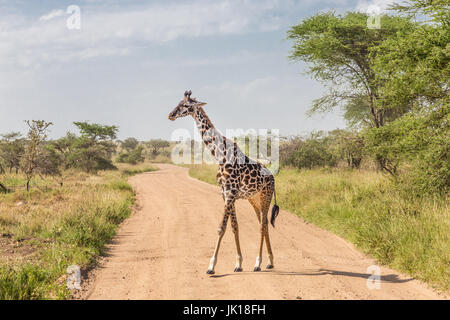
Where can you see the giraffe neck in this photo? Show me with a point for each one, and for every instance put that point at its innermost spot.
(212, 138)
(208, 132)
(223, 150)
(202, 120)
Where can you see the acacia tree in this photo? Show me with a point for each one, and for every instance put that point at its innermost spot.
(437, 11)
(339, 50)
(413, 69)
(11, 151)
(157, 144)
(130, 144)
(57, 157)
(37, 134)
(92, 151)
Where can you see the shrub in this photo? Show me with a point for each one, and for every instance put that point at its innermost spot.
(419, 142)
(310, 153)
(134, 156)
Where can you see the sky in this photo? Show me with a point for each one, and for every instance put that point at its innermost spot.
(130, 62)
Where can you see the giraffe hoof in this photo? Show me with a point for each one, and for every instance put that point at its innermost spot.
(237, 269)
(257, 269)
(269, 266)
(210, 272)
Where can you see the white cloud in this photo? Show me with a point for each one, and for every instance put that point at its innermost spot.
(365, 5)
(51, 15)
(30, 42)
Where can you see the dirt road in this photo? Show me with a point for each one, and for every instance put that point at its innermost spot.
(163, 251)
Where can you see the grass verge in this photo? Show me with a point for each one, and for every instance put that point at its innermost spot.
(45, 231)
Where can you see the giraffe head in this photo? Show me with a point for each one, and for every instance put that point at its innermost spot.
(186, 107)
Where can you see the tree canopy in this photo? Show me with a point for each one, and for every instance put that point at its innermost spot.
(339, 50)
(96, 131)
(130, 144)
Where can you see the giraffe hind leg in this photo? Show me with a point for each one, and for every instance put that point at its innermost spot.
(266, 198)
(261, 243)
(263, 228)
(256, 206)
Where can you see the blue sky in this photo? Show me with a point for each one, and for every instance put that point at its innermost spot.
(131, 61)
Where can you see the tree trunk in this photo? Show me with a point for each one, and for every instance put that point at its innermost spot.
(374, 113)
(378, 121)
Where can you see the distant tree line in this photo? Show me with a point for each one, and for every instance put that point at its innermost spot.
(134, 152)
(34, 154)
(91, 150)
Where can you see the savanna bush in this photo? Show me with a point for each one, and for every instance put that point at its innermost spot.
(308, 153)
(420, 145)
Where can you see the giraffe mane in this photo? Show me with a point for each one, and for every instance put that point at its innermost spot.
(203, 112)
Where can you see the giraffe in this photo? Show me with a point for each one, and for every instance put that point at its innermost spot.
(239, 178)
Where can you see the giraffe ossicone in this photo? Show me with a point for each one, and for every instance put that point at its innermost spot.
(239, 177)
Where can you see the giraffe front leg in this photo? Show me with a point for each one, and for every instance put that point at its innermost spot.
(221, 231)
(234, 224)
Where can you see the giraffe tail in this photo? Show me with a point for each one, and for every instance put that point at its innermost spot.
(275, 209)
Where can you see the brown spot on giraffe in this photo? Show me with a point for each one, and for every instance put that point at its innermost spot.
(239, 177)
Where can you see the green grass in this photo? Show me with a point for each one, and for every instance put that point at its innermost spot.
(364, 207)
(24, 283)
(206, 173)
(59, 226)
(131, 170)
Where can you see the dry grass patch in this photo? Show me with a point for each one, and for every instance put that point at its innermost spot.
(44, 231)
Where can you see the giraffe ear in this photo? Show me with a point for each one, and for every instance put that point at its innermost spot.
(200, 104)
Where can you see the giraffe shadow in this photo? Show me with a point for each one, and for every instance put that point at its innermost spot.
(387, 278)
